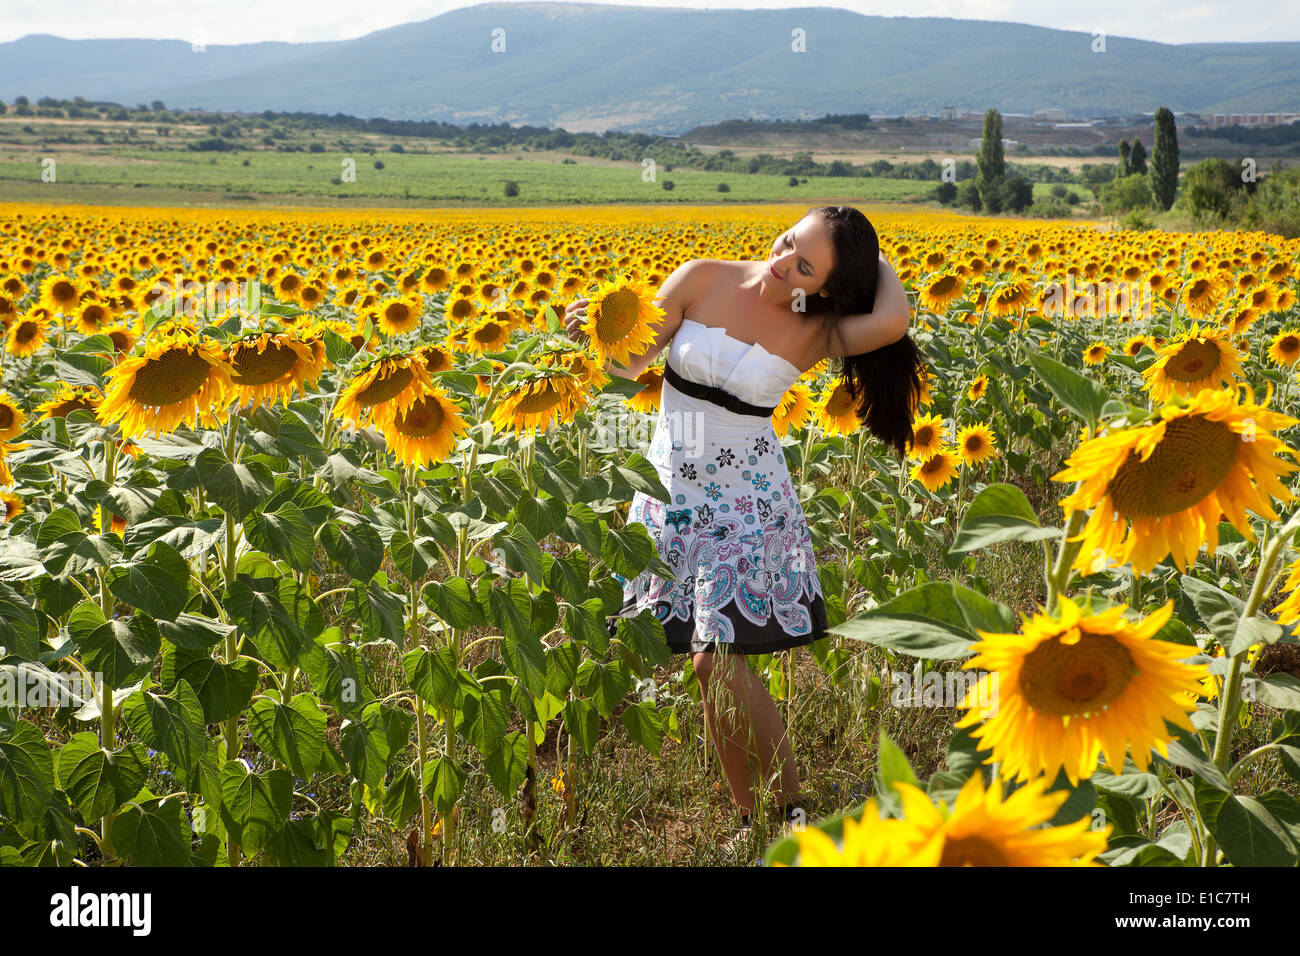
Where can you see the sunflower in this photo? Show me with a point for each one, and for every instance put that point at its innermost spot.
(647, 400)
(91, 317)
(11, 417)
(398, 315)
(1288, 612)
(1095, 353)
(976, 443)
(868, 840)
(534, 404)
(590, 376)
(1202, 294)
(488, 334)
(936, 470)
(28, 334)
(266, 368)
(436, 358)
(1166, 484)
(621, 321)
(123, 338)
(1285, 347)
(796, 407)
(483, 383)
(68, 400)
(388, 385)
(939, 293)
(1011, 298)
(426, 432)
(1192, 362)
(460, 309)
(1067, 689)
(61, 294)
(927, 436)
(180, 379)
(836, 410)
(978, 388)
(13, 505)
(983, 829)
(1133, 347)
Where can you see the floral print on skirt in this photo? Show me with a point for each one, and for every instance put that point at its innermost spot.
(736, 536)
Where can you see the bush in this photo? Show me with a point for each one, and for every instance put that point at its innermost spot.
(723, 188)
(1139, 219)
(1213, 191)
(397, 148)
(512, 188)
(1275, 207)
(792, 181)
(668, 184)
(1122, 195)
(1017, 193)
(1052, 208)
(316, 148)
(968, 194)
(379, 164)
(946, 193)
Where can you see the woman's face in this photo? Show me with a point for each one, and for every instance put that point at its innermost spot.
(801, 258)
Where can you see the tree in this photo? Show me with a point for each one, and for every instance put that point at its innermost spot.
(945, 193)
(1137, 160)
(158, 106)
(1164, 160)
(968, 194)
(1125, 163)
(991, 164)
(512, 188)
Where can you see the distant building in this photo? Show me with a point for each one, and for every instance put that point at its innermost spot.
(1253, 119)
(1049, 116)
(948, 113)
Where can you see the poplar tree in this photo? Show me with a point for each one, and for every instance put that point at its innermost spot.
(990, 163)
(1164, 160)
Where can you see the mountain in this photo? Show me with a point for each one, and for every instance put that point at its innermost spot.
(663, 70)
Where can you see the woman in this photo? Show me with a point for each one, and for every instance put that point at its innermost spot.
(734, 532)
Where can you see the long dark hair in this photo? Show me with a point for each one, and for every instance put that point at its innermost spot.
(885, 384)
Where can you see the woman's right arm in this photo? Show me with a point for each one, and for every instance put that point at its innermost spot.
(675, 296)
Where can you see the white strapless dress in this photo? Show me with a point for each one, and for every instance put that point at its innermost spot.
(735, 532)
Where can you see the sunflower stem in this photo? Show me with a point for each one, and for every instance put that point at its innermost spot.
(1059, 576)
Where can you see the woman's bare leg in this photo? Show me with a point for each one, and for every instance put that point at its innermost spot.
(743, 721)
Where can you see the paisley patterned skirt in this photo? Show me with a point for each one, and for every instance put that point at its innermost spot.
(735, 534)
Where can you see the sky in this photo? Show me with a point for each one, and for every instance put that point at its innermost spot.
(298, 21)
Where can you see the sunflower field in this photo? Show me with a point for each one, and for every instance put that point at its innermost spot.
(313, 521)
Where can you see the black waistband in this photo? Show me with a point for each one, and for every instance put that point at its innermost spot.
(711, 393)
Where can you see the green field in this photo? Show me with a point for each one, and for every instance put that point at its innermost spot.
(131, 176)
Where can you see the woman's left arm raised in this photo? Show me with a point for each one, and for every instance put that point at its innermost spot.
(885, 325)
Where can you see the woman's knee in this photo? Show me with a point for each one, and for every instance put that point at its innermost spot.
(702, 661)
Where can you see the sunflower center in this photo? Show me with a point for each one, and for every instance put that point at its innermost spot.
(398, 313)
(618, 315)
(27, 331)
(385, 387)
(974, 443)
(933, 465)
(425, 418)
(924, 435)
(541, 400)
(1075, 680)
(172, 377)
(7, 417)
(489, 332)
(1289, 345)
(971, 851)
(839, 402)
(121, 342)
(252, 367)
(944, 285)
(1193, 457)
(1194, 361)
(64, 409)
(63, 291)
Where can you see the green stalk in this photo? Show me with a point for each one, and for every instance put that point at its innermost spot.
(1230, 698)
(1058, 576)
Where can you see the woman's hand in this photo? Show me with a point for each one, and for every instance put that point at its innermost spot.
(574, 317)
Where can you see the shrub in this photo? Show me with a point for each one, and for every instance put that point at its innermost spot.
(1122, 195)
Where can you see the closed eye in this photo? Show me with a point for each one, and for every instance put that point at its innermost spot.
(789, 244)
